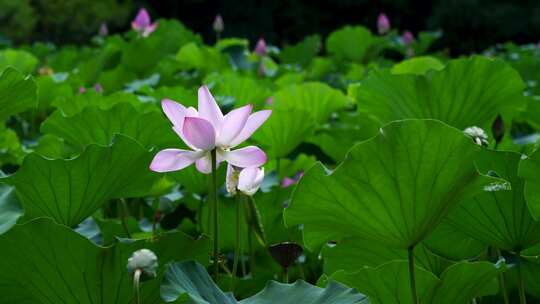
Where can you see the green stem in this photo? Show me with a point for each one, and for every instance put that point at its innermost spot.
(412, 275)
(136, 280)
(124, 215)
(286, 275)
(237, 245)
(215, 214)
(521, 285)
(502, 281)
(251, 252)
(278, 162)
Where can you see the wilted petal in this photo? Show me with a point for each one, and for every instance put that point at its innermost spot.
(250, 156)
(199, 132)
(173, 159)
(208, 108)
(254, 121)
(174, 111)
(233, 123)
(250, 180)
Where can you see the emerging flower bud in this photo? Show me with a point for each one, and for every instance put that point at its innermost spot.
(250, 180)
(478, 135)
(103, 30)
(144, 260)
(383, 24)
(407, 38)
(260, 48)
(218, 24)
(143, 24)
(82, 90)
(98, 88)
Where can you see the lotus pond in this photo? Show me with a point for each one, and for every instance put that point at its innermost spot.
(150, 167)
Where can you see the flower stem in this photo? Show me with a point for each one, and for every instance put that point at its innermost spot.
(124, 214)
(136, 280)
(237, 245)
(215, 214)
(412, 275)
(521, 285)
(502, 281)
(286, 275)
(251, 252)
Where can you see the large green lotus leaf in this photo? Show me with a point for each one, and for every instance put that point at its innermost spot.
(11, 151)
(19, 59)
(529, 170)
(237, 89)
(303, 52)
(352, 254)
(17, 93)
(349, 43)
(451, 243)
(71, 105)
(285, 130)
(10, 209)
(500, 219)
(317, 98)
(394, 188)
(465, 93)
(44, 262)
(417, 65)
(389, 283)
(71, 190)
(188, 282)
(95, 125)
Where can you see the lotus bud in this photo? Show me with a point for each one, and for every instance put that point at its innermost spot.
(250, 180)
(478, 135)
(144, 260)
(103, 30)
(269, 101)
(383, 24)
(82, 90)
(98, 88)
(407, 38)
(260, 48)
(218, 24)
(143, 24)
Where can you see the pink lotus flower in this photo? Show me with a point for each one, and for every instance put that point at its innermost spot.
(82, 90)
(247, 180)
(208, 129)
(143, 24)
(260, 48)
(407, 38)
(383, 24)
(218, 24)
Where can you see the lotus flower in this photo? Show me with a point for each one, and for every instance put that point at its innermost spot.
(247, 180)
(208, 129)
(218, 24)
(260, 48)
(407, 38)
(98, 88)
(143, 24)
(383, 24)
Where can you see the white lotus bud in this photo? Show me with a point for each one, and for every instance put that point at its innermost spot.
(144, 260)
(478, 135)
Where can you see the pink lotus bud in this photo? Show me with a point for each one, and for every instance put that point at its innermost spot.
(383, 24)
(218, 24)
(269, 101)
(143, 24)
(103, 30)
(98, 88)
(287, 181)
(260, 48)
(407, 38)
(82, 90)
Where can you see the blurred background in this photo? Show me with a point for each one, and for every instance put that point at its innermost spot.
(468, 25)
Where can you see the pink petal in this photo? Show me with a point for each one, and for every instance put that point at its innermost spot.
(174, 111)
(250, 180)
(208, 108)
(233, 123)
(199, 132)
(204, 164)
(173, 159)
(249, 156)
(254, 121)
(149, 29)
(142, 19)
